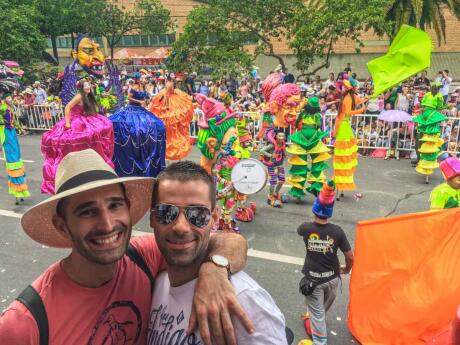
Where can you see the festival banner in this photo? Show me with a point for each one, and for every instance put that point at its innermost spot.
(405, 283)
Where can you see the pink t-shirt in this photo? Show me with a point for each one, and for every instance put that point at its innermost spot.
(116, 313)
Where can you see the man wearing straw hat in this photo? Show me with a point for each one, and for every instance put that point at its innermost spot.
(101, 292)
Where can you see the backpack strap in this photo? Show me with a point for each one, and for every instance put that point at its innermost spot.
(134, 255)
(33, 302)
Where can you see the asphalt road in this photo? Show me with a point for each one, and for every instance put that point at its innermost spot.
(388, 187)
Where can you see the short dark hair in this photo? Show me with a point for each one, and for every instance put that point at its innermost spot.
(447, 71)
(185, 171)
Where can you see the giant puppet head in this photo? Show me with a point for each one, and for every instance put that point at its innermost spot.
(217, 129)
(285, 103)
(89, 56)
(282, 100)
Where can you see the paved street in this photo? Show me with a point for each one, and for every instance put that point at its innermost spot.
(389, 187)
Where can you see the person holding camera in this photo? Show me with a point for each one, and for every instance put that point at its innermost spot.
(322, 268)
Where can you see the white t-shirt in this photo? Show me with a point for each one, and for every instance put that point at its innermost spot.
(445, 85)
(171, 307)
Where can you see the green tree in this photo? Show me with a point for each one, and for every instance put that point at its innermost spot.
(319, 25)
(217, 34)
(67, 17)
(423, 14)
(147, 16)
(21, 39)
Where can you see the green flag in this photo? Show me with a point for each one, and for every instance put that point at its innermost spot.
(409, 53)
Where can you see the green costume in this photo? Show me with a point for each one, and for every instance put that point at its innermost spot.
(308, 148)
(444, 196)
(429, 127)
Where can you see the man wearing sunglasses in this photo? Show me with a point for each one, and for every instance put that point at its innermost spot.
(101, 292)
(183, 214)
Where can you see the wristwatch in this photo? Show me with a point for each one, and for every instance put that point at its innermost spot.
(220, 261)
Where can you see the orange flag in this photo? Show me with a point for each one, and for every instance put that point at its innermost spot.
(405, 283)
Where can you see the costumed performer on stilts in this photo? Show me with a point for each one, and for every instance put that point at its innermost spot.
(447, 194)
(175, 109)
(140, 137)
(273, 155)
(81, 128)
(429, 131)
(345, 145)
(17, 185)
(308, 147)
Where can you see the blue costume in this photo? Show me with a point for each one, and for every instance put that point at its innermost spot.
(140, 140)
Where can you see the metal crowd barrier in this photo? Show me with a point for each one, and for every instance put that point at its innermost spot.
(39, 117)
(370, 132)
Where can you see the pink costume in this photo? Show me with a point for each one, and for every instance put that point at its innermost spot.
(87, 131)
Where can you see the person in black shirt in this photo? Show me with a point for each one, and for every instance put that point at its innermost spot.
(322, 267)
(422, 83)
(190, 83)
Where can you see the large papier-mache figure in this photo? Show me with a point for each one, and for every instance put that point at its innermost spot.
(217, 140)
(89, 60)
(83, 126)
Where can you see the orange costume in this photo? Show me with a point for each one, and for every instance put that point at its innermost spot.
(345, 146)
(174, 108)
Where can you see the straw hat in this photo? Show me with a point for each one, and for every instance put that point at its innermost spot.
(79, 172)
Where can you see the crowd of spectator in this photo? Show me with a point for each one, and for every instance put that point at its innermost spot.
(244, 94)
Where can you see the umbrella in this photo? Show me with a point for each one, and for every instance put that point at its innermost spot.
(409, 53)
(394, 116)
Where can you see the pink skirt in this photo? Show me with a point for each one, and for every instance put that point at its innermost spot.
(86, 132)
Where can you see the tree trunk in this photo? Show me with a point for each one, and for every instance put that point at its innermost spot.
(54, 44)
(280, 61)
(112, 46)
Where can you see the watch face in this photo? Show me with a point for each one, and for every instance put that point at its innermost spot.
(220, 260)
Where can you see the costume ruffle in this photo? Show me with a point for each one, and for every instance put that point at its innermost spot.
(86, 132)
(17, 185)
(429, 124)
(176, 111)
(309, 157)
(345, 156)
(140, 142)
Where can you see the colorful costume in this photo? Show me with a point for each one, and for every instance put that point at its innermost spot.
(447, 194)
(86, 131)
(429, 127)
(273, 156)
(307, 143)
(217, 141)
(174, 108)
(140, 140)
(345, 146)
(17, 185)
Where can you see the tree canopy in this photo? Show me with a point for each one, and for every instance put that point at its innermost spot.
(21, 39)
(424, 14)
(227, 35)
(319, 25)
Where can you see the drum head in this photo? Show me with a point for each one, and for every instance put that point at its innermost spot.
(249, 176)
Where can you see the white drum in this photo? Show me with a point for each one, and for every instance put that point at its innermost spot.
(249, 176)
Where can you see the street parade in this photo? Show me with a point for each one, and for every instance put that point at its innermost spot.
(158, 198)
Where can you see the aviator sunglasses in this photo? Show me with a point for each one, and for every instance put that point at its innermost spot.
(198, 216)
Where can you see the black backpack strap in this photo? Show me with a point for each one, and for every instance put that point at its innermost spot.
(134, 255)
(32, 301)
